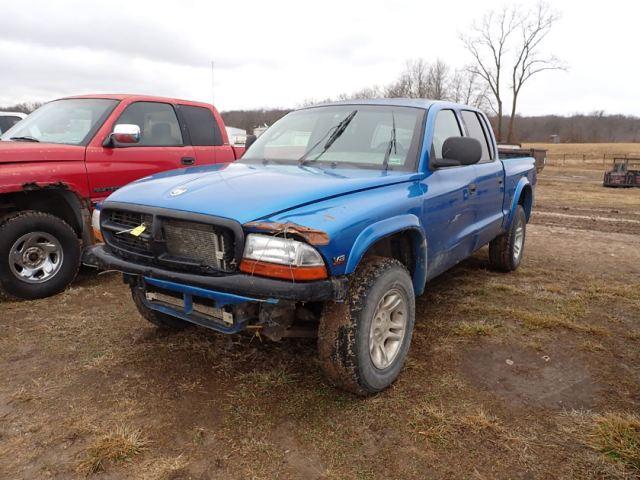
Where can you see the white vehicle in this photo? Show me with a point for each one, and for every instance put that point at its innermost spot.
(9, 119)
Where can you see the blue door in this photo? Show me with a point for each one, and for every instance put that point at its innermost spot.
(448, 213)
(489, 182)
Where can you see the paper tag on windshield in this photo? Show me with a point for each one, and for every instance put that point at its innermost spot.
(136, 232)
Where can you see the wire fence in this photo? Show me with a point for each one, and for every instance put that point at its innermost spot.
(601, 159)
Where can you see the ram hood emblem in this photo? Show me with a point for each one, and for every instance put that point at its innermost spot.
(177, 191)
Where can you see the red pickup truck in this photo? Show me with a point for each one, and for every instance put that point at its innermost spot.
(70, 154)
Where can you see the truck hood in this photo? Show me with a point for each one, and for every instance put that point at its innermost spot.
(19, 152)
(247, 192)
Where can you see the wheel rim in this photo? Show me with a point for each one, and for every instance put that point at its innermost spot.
(35, 257)
(388, 328)
(518, 241)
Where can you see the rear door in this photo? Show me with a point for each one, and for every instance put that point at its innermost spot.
(206, 136)
(489, 183)
(162, 147)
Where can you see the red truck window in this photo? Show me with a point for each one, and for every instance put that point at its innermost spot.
(202, 125)
(157, 121)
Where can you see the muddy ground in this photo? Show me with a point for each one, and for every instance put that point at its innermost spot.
(530, 375)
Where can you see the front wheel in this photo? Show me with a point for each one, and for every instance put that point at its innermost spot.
(363, 341)
(39, 255)
(506, 251)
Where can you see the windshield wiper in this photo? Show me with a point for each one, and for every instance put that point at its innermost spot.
(25, 138)
(392, 144)
(337, 131)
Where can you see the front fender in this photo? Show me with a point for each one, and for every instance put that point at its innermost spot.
(374, 232)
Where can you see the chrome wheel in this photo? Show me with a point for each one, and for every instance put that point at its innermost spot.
(518, 241)
(35, 257)
(388, 328)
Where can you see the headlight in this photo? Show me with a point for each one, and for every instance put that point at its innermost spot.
(95, 224)
(278, 257)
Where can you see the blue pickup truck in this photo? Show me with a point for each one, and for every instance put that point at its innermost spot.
(330, 225)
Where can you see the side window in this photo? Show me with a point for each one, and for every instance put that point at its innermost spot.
(202, 125)
(446, 126)
(475, 130)
(8, 121)
(158, 124)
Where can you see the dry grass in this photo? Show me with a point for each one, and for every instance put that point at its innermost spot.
(591, 346)
(117, 446)
(443, 427)
(618, 436)
(475, 329)
(589, 149)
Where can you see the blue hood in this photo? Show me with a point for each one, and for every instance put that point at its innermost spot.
(247, 192)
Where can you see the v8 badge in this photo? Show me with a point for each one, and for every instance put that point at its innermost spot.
(339, 260)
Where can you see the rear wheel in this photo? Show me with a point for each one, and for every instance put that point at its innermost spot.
(159, 319)
(39, 255)
(363, 341)
(506, 251)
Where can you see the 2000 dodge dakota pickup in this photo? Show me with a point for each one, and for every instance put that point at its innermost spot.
(332, 222)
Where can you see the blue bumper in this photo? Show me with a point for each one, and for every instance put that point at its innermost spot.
(187, 313)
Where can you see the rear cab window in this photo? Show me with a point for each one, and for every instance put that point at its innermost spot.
(202, 125)
(475, 130)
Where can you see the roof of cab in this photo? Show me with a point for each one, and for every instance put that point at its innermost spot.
(423, 103)
(126, 96)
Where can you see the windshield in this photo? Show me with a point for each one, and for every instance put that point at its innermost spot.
(70, 121)
(367, 136)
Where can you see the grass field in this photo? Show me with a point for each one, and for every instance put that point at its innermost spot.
(587, 154)
(529, 375)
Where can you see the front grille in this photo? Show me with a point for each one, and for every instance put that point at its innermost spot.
(119, 223)
(199, 242)
(173, 243)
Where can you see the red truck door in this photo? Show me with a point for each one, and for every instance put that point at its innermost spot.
(209, 140)
(162, 146)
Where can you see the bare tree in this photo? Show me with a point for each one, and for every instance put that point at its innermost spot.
(438, 81)
(467, 88)
(488, 45)
(533, 29)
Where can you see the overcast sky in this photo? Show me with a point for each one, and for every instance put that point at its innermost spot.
(281, 53)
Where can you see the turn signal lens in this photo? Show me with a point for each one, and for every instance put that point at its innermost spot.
(95, 224)
(286, 272)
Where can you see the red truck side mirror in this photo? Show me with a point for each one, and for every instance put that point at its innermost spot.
(123, 133)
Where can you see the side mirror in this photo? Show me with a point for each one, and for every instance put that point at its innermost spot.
(249, 141)
(459, 151)
(124, 133)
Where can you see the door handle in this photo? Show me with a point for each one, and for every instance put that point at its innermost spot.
(472, 188)
(188, 161)
(500, 181)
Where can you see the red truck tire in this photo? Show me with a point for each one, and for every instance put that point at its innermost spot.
(39, 255)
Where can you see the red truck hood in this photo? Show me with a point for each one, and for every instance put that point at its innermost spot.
(18, 152)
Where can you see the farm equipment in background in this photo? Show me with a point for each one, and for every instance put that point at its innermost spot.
(515, 150)
(624, 174)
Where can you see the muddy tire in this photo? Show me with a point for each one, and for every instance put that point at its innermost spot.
(506, 251)
(159, 319)
(39, 255)
(363, 341)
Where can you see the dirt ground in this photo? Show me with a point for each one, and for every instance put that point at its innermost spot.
(529, 375)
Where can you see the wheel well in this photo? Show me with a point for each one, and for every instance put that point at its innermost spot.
(526, 200)
(400, 245)
(48, 200)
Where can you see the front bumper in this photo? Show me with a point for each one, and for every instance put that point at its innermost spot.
(241, 284)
